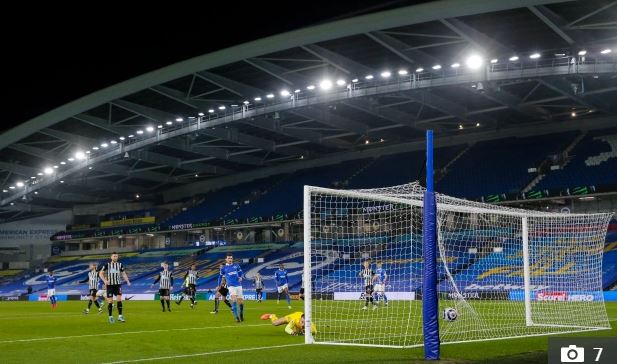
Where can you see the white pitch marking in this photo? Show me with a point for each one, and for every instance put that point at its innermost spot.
(202, 354)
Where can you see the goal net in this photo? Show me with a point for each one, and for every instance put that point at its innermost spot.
(506, 272)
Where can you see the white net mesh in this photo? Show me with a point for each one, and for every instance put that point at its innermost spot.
(481, 272)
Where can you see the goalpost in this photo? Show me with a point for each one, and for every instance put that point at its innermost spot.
(507, 272)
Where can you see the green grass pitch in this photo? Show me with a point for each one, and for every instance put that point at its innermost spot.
(32, 333)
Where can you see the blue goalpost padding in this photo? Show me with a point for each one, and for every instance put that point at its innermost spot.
(430, 304)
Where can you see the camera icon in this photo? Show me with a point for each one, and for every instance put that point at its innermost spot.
(572, 354)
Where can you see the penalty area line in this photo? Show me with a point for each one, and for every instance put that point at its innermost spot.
(124, 333)
(202, 354)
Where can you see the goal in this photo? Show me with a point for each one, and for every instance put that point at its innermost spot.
(507, 272)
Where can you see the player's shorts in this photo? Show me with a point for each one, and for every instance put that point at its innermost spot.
(101, 293)
(51, 292)
(258, 290)
(93, 292)
(163, 292)
(282, 288)
(368, 289)
(223, 291)
(236, 291)
(379, 288)
(192, 288)
(114, 290)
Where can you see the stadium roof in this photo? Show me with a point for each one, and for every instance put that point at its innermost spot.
(459, 67)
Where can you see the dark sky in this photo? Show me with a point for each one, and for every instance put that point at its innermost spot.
(53, 58)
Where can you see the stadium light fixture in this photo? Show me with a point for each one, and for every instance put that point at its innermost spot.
(122, 138)
(367, 141)
(179, 120)
(285, 93)
(32, 177)
(460, 126)
(19, 184)
(90, 167)
(159, 126)
(11, 187)
(270, 96)
(513, 59)
(200, 114)
(56, 166)
(95, 148)
(149, 129)
(494, 60)
(140, 132)
(87, 152)
(210, 111)
(386, 74)
(12, 203)
(369, 77)
(39, 174)
(71, 159)
(310, 87)
(573, 114)
(559, 54)
(437, 67)
(605, 51)
(256, 99)
(246, 102)
(455, 65)
(582, 52)
(48, 170)
(104, 145)
(63, 162)
(477, 124)
(80, 155)
(474, 62)
(36, 192)
(137, 196)
(418, 70)
(297, 91)
(355, 80)
(325, 85)
(402, 72)
(5, 191)
(341, 82)
(196, 175)
(61, 181)
(535, 55)
(222, 107)
(113, 142)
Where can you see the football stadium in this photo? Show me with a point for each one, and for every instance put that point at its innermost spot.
(414, 182)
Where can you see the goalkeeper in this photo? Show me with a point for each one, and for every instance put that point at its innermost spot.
(294, 321)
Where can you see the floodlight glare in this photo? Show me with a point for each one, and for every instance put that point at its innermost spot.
(104, 145)
(179, 120)
(48, 170)
(19, 184)
(140, 132)
(369, 77)
(80, 155)
(418, 70)
(474, 62)
(310, 87)
(535, 56)
(582, 52)
(270, 96)
(257, 98)
(513, 58)
(455, 65)
(285, 93)
(605, 51)
(354, 80)
(340, 82)
(325, 84)
(200, 114)
(437, 67)
(402, 72)
(149, 129)
(113, 142)
(210, 111)
(386, 74)
(494, 60)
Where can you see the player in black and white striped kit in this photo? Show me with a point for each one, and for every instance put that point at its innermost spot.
(93, 284)
(368, 277)
(190, 281)
(166, 282)
(112, 273)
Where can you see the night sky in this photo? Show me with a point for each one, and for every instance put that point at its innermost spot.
(51, 58)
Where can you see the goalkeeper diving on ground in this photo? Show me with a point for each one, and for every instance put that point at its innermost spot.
(294, 321)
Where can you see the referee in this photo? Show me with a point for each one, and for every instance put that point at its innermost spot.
(114, 271)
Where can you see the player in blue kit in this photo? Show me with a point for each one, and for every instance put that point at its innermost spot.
(381, 278)
(233, 276)
(282, 286)
(51, 289)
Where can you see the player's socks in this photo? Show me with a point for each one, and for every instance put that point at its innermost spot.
(192, 300)
(227, 303)
(89, 304)
(180, 300)
(242, 312)
(163, 304)
(288, 300)
(234, 309)
(217, 302)
(109, 309)
(385, 299)
(168, 308)
(120, 308)
(97, 304)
